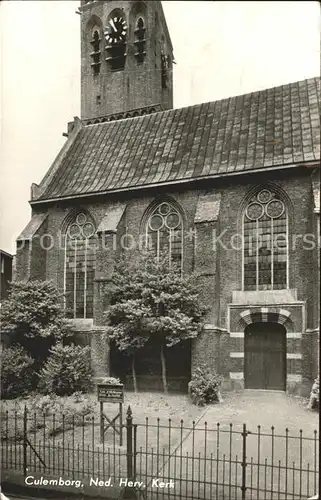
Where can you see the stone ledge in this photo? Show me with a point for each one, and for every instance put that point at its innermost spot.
(312, 330)
(271, 297)
(216, 329)
(80, 324)
(98, 329)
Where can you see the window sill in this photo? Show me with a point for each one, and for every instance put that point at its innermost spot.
(265, 296)
(81, 324)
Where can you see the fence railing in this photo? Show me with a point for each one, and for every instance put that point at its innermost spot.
(169, 460)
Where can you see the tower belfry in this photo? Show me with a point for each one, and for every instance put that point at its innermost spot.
(126, 57)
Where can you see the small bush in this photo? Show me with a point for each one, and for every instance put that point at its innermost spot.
(204, 388)
(66, 371)
(75, 414)
(314, 402)
(68, 412)
(53, 414)
(78, 397)
(17, 374)
(45, 405)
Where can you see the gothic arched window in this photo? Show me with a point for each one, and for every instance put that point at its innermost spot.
(265, 242)
(140, 40)
(96, 51)
(164, 231)
(80, 241)
(165, 63)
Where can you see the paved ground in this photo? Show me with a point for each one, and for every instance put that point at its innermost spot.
(265, 408)
(282, 454)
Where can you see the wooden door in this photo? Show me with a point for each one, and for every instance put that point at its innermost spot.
(265, 356)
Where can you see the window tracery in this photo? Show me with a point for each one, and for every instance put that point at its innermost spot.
(164, 232)
(265, 242)
(79, 267)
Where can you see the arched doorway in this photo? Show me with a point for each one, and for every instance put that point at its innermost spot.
(265, 356)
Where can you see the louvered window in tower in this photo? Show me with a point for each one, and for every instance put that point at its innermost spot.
(96, 52)
(140, 40)
(165, 69)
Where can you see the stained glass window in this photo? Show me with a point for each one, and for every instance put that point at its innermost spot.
(265, 242)
(164, 232)
(79, 267)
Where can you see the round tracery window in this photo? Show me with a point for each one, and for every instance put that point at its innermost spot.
(82, 228)
(74, 231)
(254, 211)
(172, 220)
(274, 209)
(264, 196)
(164, 232)
(81, 219)
(156, 222)
(88, 230)
(166, 217)
(164, 208)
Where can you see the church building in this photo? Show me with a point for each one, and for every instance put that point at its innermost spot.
(229, 188)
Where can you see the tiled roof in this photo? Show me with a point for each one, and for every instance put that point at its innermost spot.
(274, 127)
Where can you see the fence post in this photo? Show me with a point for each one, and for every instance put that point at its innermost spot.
(102, 425)
(129, 442)
(130, 493)
(244, 464)
(121, 424)
(25, 442)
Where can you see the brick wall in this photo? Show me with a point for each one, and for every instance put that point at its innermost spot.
(303, 262)
(23, 259)
(219, 268)
(6, 274)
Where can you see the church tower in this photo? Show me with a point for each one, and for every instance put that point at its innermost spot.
(126, 57)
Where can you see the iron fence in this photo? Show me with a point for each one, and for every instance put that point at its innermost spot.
(168, 460)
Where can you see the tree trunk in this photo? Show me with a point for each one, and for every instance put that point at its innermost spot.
(163, 362)
(134, 373)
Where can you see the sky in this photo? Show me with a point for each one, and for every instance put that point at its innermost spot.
(221, 49)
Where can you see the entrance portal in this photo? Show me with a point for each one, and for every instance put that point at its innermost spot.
(265, 356)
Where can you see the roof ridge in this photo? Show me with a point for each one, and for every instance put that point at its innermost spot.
(248, 93)
(172, 110)
(239, 134)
